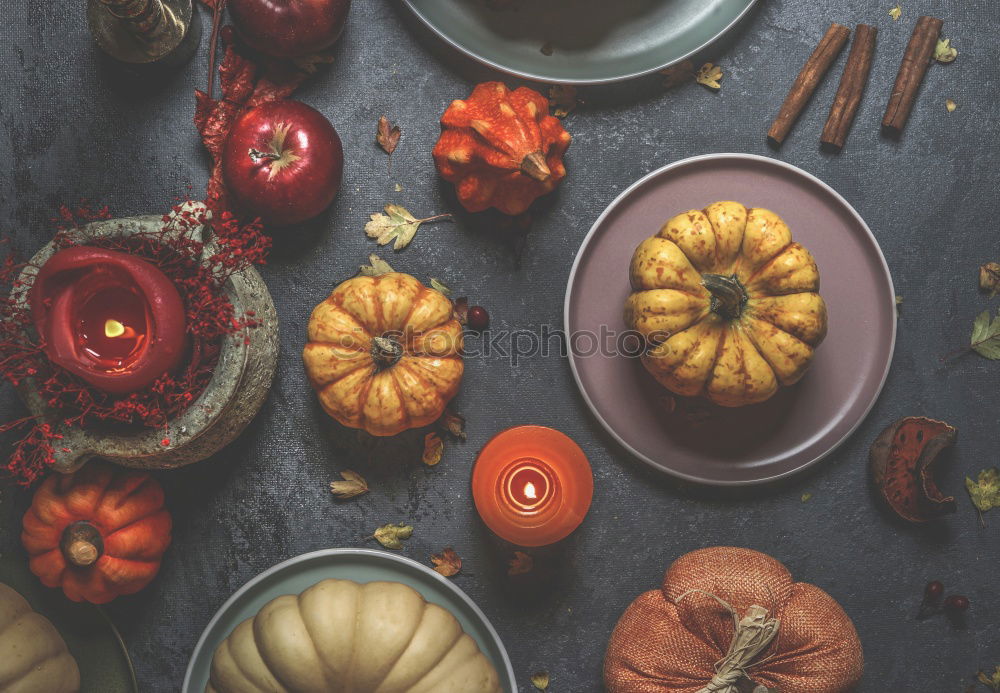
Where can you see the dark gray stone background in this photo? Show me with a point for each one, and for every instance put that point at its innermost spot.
(73, 128)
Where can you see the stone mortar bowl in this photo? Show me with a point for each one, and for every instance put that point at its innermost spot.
(236, 392)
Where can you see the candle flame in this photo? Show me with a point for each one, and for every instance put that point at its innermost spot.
(113, 328)
(529, 491)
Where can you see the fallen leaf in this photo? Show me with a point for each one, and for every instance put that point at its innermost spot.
(540, 680)
(437, 285)
(562, 99)
(378, 267)
(986, 336)
(944, 52)
(989, 278)
(678, 74)
(453, 423)
(950, 105)
(353, 485)
(397, 224)
(392, 536)
(520, 564)
(709, 76)
(993, 681)
(985, 490)
(460, 309)
(896, 12)
(387, 135)
(433, 449)
(448, 563)
(806, 497)
(547, 48)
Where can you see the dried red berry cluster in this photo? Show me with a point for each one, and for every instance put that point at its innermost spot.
(210, 316)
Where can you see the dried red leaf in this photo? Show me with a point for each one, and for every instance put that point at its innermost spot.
(520, 564)
(901, 460)
(387, 135)
(447, 563)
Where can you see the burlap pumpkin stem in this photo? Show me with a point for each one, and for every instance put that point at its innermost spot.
(790, 636)
(754, 632)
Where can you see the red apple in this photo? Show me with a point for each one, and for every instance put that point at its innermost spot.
(282, 162)
(290, 28)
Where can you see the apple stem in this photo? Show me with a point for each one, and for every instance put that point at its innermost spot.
(256, 155)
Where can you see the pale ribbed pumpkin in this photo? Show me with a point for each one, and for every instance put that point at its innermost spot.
(33, 656)
(340, 636)
(384, 353)
(728, 303)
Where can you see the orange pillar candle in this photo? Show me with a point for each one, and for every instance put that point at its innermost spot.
(532, 485)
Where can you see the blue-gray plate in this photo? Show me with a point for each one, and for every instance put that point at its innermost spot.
(361, 565)
(584, 41)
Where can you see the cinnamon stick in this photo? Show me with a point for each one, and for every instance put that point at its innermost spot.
(916, 60)
(851, 89)
(807, 81)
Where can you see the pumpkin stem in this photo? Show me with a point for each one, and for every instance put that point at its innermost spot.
(534, 165)
(728, 294)
(81, 544)
(386, 351)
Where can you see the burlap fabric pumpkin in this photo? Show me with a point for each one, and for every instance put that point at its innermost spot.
(677, 638)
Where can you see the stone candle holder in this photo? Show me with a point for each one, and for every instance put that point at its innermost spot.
(236, 392)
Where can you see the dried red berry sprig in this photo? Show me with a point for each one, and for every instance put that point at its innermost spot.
(200, 271)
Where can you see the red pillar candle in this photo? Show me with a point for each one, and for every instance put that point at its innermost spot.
(532, 485)
(109, 317)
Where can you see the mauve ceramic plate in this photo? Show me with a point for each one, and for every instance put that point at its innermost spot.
(799, 425)
(592, 41)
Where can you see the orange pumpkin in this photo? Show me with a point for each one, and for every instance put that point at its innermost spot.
(384, 353)
(501, 148)
(97, 533)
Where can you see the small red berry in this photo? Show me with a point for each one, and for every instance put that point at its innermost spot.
(934, 590)
(956, 603)
(478, 318)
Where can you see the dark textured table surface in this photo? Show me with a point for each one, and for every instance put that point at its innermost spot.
(72, 128)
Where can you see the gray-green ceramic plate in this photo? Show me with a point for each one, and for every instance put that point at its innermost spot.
(92, 639)
(592, 41)
(361, 565)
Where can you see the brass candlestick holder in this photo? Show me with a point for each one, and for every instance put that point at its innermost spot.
(143, 32)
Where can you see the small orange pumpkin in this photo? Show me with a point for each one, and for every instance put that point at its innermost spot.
(384, 353)
(97, 533)
(501, 148)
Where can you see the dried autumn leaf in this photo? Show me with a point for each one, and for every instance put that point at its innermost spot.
(387, 135)
(453, 423)
(397, 224)
(993, 681)
(950, 105)
(460, 309)
(438, 285)
(709, 76)
(678, 74)
(986, 336)
(944, 52)
(353, 485)
(540, 680)
(433, 449)
(985, 490)
(896, 12)
(448, 563)
(562, 99)
(989, 277)
(520, 564)
(378, 267)
(392, 536)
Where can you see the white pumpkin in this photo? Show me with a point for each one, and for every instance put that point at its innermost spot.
(343, 637)
(33, 656)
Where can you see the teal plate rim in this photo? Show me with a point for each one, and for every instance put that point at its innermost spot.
(213, 632)
(540, 76)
